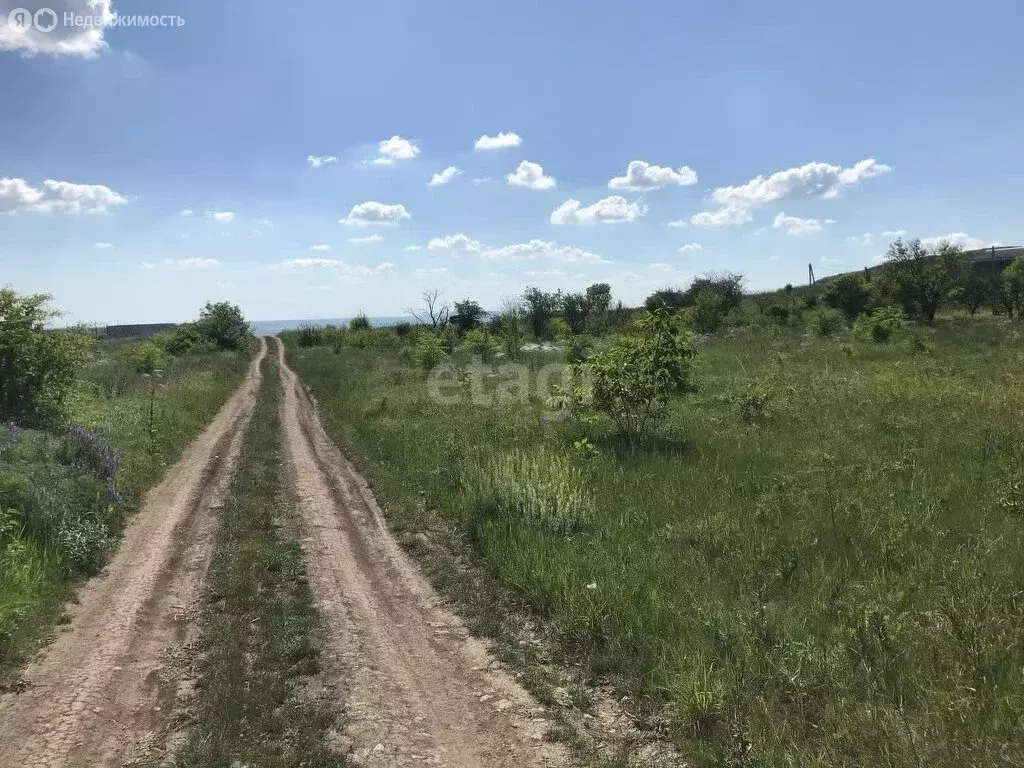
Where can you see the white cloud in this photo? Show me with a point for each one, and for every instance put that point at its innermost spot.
(894, 233)
(64, 39)
(320, 247)
(543, 249)
(317, 161)
(386, 266)
(336, 265)
(960, 239)
(193, 263)
(677, 224)
(372, 212)
(458, 243)
(57, 197)
(395, 148)
(544, 273)
(221, 217)
(610, 210)
(641, 176)
(531, 176)
(444, 176)
(483, 180)
(813, 180)
(433, 271)
(691, 248)
(368, 240)
(661, 267)
(103, 246)
(414, 247)
(186, 212)
(501, 141)
(794, 225)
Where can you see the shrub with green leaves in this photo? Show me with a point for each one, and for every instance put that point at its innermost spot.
(880, 325)
(709, 310)
(479, 343)
(849, 294)
(827, 321)
(430, 352)
(633, 381)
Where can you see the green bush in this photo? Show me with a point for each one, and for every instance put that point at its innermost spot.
(148, 357)
(880, 325)
(709, 312)
(849, 294)
(359, 323)
(38, 368)
(430, 352)
(827, 321)
(479, 343)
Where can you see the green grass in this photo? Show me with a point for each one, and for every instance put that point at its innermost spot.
(258, 644)
(37, 576)
(818, 560)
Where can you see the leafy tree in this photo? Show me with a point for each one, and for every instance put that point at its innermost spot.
(224, 325)
(359, 323)
(728, 285)
(575, 310)
(468, 315)
(540, 307)
(669, 299)
(709, 311)
(634, 380)
(1013, 286)
(37, 367)
(974, 290)
(849, 294)
(599, 298)
(929, 277)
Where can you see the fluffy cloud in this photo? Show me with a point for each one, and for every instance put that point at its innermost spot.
(531, 176)
(57, 197)
(501, 141)
(193, 263)
(335, 265)
(368, 240)
(678, 224)
(62, 40)
(221, 217)
(372, 212)
(542, 249)
(691, 248)
(395, 148)
(610, 210)
(641, 176)
(458, 243)
(316, 161)
(813, 180)
(794, 225)
(385, 266)
(960, 239)
(444, 176)
(414, 247)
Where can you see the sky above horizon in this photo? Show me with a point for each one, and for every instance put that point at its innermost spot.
(335, 158)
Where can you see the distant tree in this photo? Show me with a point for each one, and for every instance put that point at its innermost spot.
(930, 277)
(540, 306)
(359, 323)
(709, 312)
(599, 298)
(728, 285)
(669, 299)
(431, 312)
(575, 312)
(38, 368)
(224, 325)
(849, 294)
(974, 290)
(1013, 286)
(468, 315)
(511, 327)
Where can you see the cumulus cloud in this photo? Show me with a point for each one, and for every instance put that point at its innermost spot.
(368, 240)
(221, 217)
(691, 248)
(642, 176)
(794, 225)
(813, 180)
(501, 141)
(542, 249)
(960, 239)
(57, 197)
(394, 149)
(531, 176)
(70, 40)
(372, 212)
(458, 243)
(385, 266)
(193, 263)
(317, 161)
(610, 210)
(444, 176)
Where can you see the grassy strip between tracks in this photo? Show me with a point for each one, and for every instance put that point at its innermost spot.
(258, 645)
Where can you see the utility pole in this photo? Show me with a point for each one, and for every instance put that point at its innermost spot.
(810, 273)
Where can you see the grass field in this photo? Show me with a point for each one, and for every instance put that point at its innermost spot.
(817, 560)
(257, 645)
(66, 496)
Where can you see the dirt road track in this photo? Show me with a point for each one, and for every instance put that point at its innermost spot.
(100, 695)
(419, 690)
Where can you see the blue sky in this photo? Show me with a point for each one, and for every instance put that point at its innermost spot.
(771, 136)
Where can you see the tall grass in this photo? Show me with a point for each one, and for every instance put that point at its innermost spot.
(832, 575)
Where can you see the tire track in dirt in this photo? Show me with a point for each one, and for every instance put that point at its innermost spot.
(102, 693)
(418, 689)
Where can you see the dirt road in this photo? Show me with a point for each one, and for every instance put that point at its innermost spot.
(101, 694)
(419, 689)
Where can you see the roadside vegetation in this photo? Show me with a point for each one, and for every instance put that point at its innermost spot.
(258, 648)
(86, 427)
(789, 526)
